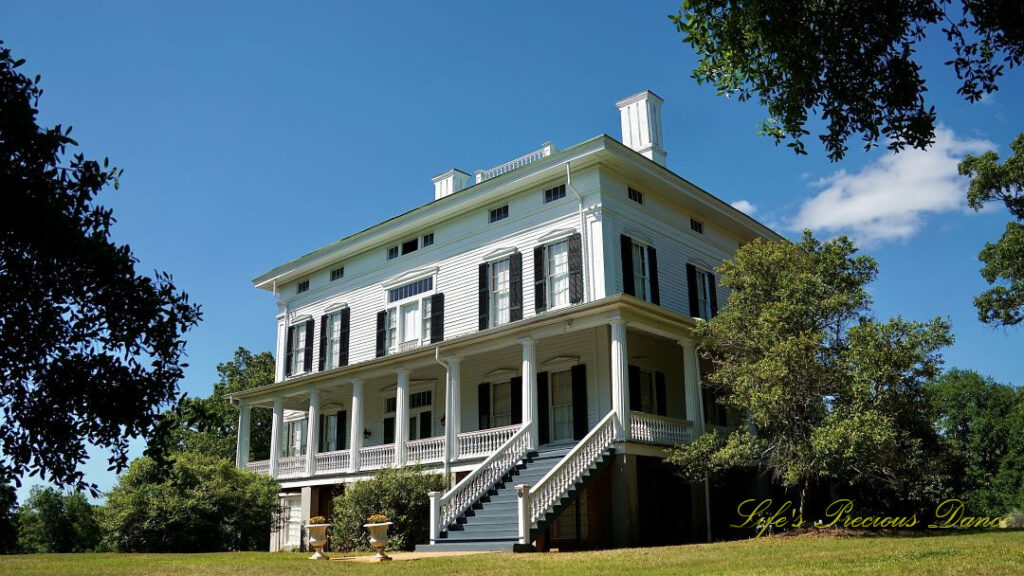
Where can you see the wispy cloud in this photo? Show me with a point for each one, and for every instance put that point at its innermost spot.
(888, 199)
(745, 206)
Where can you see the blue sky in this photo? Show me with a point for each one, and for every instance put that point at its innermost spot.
(252, 133)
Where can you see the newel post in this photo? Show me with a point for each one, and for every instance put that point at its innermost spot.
(523, 492)
(435, 516)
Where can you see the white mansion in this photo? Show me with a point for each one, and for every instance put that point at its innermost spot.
(528, 332)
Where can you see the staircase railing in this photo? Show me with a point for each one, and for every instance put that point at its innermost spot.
(447, 508)
(569, 470)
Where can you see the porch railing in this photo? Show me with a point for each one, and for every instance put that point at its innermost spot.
(447, 508)
(425, 450)
(511, 165)
(661, 430)
(289, 466)
(259, 466)
(483, 442)
(569, 470)
(376, 457)
(336, 461)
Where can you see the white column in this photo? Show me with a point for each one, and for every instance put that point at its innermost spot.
(435, 516)
(530, 388)
(453, 419)
(523, 512)
(356, 431)
(401, 416)
(275, 435)
(312, 431)
(242, 453)
(691, 379)
(620, 378)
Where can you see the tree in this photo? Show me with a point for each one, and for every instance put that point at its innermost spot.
(981, 426)
(201, 503)
(90, 350)
(210, 425)
(8, 519)
(1003, 304)
(851, 62)
(831, 393)
(52, 521)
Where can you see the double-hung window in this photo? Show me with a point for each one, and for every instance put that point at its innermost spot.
(333, 347)
(501, 404)
(557, 274)
(296, 438)
(704, 289)
(298, 339)
(408, 315)
(500, 293)
(641, 273)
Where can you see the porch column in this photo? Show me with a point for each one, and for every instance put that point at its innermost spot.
(312, 431)
(620, 378)
(401, 416)
(453, 417)
(244, 415)
(529, 375)
(356, 431)
(691, 379)
(275, 435)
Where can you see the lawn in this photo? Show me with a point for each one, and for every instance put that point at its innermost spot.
(990, 553)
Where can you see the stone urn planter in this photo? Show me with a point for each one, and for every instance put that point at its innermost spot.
(317, 539)
(379, 538)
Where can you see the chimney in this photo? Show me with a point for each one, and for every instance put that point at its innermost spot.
(450, 182)
(641, 124)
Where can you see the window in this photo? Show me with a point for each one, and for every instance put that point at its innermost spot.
(704, 294)
(302, 287)
(298, 348)
(392, 252)
(500, 293)
(426, 312)
(561, 405)
(641, 273)
(552, 194)
(421, 423)
(697, 226)
(410, 246)
(501, 404)
(333, 332)
(428, 239)
(337, 274)
(557, 274)
(411, 289)
(296, 438)
(499, 214)
(329, 433)
(648, 397)
(408, 321)
(636, 196)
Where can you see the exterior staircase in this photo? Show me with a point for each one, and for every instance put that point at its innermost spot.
(493, 522)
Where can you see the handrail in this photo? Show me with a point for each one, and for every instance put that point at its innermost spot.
(571, 468)
(483, 478)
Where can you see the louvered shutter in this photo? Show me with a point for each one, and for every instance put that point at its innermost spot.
(575, 269)
(437, 317)
(382, 332)
(634, 388)
(652, 274)
(323, 342)
(540, 291)
(345, 334)
(484, 286)
(713, 294)
(580, 425)
(308, 359)
(288, 354)
(515, 287)
(543, 424)
(691, 286)
(659, 394)
(340, 435)
(483, 405)
(628, 286)
(516, 390)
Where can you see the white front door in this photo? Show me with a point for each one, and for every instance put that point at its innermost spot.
(561, 406)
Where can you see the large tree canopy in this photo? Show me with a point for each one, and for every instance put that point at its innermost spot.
(1003, 303)
(89, 350)
(852, 63)
(831, 393)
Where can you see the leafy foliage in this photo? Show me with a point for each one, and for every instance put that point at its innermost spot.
(981, 426)
(852, 62)
(832, 393)
(90, 350)
(399, 494)
(8, 519)
(210, 425)
(51, 521)
(1003, 304)
(202, 503)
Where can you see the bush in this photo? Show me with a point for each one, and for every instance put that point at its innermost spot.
(200, 503)
(399, 494)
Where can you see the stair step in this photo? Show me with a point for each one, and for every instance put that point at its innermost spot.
(490, 546)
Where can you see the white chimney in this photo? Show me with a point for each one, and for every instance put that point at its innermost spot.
(641, 124)
(450, 182)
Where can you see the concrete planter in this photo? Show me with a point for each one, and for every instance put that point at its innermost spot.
(379, 538)
(317, 540)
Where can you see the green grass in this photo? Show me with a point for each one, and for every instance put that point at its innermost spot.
(989, 553)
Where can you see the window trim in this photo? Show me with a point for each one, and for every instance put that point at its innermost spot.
(642, 285)
(493, 312)
(559, 193)
(635, 195)
(497, 214)
(703, 287)
(549, 275)
(340, 271)
(302, 286)
(394, 335)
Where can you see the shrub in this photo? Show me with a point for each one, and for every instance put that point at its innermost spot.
(201, 503)
(398, 494)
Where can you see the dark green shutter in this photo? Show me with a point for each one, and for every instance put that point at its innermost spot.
(289, 355)
(575, 269)
(382, 332)
(659, 394)
(540, 292)
(691, 286)
(483, 405)
(340, 436)
(516, 392)
(634, 388)
(580, 426)
(713, 294)
(515, 287)
(323, 342)
(543, 425)
(626, 244)
(652, 274)
(426, 425)
(389, 430)
(308, 360)
(345, 335)
(484, 286)
(437, 317)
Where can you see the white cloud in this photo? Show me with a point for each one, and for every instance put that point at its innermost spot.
(745, 207)
(887, 199)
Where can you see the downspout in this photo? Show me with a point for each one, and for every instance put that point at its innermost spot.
(583, 232)
(447, 411)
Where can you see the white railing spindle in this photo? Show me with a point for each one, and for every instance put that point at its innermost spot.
(481, 442)
(425, 450)
(376, 457)
(336, 461)
(661, 430)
